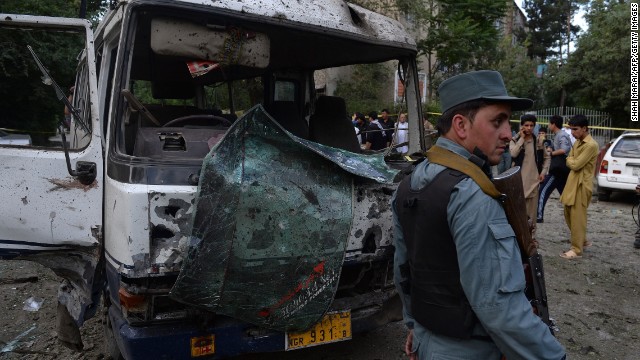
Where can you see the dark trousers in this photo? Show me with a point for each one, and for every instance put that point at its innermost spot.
(550, 183)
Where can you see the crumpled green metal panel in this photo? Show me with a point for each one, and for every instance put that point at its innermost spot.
(272, 220)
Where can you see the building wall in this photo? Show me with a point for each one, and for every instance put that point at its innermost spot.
(514, 21)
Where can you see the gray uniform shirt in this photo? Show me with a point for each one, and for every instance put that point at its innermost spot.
(562, 140)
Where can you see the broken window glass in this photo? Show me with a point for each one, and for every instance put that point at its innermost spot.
(272, 220)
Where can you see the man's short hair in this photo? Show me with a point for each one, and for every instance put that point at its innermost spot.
(385, 110)
(543, 129)
(557, 121)
(528, 117)
(373, 115)
(579, 120)
(467, 109)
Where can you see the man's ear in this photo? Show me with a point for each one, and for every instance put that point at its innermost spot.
(460, 125)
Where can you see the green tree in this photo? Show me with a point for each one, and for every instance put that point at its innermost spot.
(469, 35)
(427, 24)
(597, 74)
(360, 92)
(553, 82)
(28, 105)
(462, 34)
(546, 20)
(519, 72)
(63, 8)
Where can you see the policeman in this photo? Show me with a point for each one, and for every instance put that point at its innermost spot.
(457, 264)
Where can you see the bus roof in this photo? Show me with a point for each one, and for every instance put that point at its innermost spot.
(329, 15)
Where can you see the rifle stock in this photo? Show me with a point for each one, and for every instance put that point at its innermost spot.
(509, 183)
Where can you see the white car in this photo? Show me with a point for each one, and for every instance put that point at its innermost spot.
(620, 166)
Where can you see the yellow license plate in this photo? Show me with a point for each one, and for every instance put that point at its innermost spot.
(333, 327)
(203, 345)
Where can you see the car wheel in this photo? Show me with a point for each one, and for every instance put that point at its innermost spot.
(111, 350)
(603, 194)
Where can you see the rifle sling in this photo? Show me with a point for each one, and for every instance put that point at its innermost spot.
(444, 157)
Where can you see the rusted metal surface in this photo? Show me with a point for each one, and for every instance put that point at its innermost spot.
(68, 184)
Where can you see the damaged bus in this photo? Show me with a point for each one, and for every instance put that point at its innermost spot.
(205, 196)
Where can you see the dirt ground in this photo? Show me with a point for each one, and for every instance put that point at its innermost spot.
(594, 300)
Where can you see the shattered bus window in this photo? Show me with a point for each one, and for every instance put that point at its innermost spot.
(272, 220)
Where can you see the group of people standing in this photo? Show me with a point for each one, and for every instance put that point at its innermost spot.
(566, 165)
(377, 133)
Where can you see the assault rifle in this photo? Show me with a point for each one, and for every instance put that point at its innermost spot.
(510, 184)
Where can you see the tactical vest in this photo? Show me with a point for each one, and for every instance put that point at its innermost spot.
(437, 300)
(538, 155)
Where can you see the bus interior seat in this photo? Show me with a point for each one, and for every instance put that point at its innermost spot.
(287, 114)
(330, 125)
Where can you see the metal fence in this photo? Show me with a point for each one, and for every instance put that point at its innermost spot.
(599, 121)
